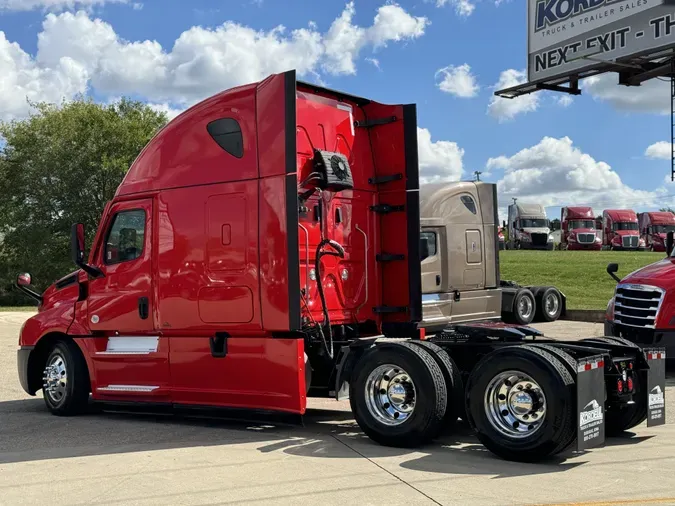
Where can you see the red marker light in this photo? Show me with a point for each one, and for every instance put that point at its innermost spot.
(629, 384)
(619, 386)
(630, 365)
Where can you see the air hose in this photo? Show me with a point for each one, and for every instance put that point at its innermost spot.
(339, 252)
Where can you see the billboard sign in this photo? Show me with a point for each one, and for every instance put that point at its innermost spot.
(566, 37)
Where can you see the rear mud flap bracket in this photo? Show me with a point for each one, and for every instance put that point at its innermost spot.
(591, 402)
(656, 386)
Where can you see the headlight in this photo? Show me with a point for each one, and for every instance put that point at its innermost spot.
(642, 242)
(609, 313)
(525, 237)
(597, 239)
(550, 237)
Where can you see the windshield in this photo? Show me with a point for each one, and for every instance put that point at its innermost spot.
(625, 225)
(534, 223)
(582, 224)
(663, 229)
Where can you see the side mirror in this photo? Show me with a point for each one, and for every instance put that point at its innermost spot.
(23, 279)
(669, 243)
(503, 223)
(77, 251)
(424, 249)
(77, 244)
(612, 269)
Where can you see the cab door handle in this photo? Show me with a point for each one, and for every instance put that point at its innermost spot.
(143, 307)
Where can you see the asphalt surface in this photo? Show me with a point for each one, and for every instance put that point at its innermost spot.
(112, 458)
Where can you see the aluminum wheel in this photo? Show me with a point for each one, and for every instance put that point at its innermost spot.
(390, 395)
(525, 308)
(55, 378)
(515, 404)
(551, 304)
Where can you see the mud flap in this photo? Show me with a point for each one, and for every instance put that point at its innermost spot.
(656, 386)
(591, 402)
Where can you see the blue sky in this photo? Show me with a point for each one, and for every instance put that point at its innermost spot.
(591, 149)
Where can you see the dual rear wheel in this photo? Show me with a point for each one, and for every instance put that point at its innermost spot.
(520, 400)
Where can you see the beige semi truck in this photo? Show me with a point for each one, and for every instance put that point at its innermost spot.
(460, 262)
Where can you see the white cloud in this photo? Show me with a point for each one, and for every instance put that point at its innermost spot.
(438, 160)
(56, 5)
(76, 51)
(505, 109)
(171, 112)
(554, 172)
(375, 62)
(661, 150)
(344, 40)
(462, 7)
(458, 81)
(652, 96)
(565, 100)
(23, 80)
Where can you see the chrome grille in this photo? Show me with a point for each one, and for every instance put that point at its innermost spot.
(637, 305)
(629, 241)
(586, 238)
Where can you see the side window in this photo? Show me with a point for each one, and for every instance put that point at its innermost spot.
(469, 203)
(430, 239)
(126, 237)
(227, 133)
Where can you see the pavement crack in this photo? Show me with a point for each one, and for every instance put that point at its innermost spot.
(386, 470)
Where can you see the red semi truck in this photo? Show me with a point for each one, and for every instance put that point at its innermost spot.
(654, 227)
(578, 229)
(265, 247)
(620, 230)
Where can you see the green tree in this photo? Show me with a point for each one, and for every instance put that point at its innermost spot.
(57, 167)
(667, 210)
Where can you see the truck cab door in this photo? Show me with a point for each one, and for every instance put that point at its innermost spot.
(129, 359)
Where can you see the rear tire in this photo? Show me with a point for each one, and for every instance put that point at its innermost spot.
(65, 379)
(504, 418)
(524, 307)
(382, 405)
(549, 304)
(453, 382)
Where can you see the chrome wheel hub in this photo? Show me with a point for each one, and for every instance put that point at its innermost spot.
(55, 379)
(551, 304)
(390, 395)
(515, 404)
(525, 307)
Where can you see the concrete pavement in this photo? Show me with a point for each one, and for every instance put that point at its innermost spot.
(111, 458)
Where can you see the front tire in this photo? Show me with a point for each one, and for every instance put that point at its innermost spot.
(398, 395)
(522, 403)
(65, 380)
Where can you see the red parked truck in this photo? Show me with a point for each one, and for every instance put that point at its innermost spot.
(620, 230)
(643, 304)
(265, 247)
(654, 227)
(578, 229)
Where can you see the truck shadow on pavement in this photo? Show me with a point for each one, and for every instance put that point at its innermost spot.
(29, 433)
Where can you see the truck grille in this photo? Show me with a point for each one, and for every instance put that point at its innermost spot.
(539, 239)
(630, 241)
(637, 305)
(586, 238)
